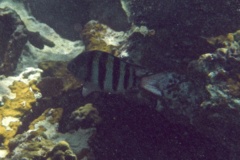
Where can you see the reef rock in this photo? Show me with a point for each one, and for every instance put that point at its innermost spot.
(221, 70)
(42, 140)
(56, 73)
(13, 110)
(29, 145)
(63, 89)
(36, 142)
(97, 36)
(85, 117)
(179, 96)
(61, 151)
(219, 74)
(14, 36)
(38, 147)
(181, 30)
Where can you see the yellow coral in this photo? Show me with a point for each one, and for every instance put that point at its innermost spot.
(234, 86)
(87, 115)
(15, 108)
(222, 39)
(54, 116)
(61, 151)
(32, 85)
(93, 35)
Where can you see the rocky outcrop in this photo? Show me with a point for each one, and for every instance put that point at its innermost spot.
(85, 116)
(12, 111)
(14, 36)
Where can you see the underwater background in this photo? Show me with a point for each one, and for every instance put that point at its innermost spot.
(190, 47)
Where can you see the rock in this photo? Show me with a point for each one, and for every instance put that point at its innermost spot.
(62, 80)
(221, 70)
(29, 145)
(14, 36)
(85, 117)
(14, 110)
(61, 151)
(37, 40)
(36, 142)
(43, 140)
(97, 36)
(181, 30)
(219, 73)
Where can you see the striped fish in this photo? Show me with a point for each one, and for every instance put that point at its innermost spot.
(100, 71)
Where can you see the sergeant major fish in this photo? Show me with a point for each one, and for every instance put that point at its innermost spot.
(101, 71)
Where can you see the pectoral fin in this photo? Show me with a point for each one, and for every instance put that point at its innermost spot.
(88, 88)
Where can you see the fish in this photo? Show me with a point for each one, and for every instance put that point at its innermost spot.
(101, 71)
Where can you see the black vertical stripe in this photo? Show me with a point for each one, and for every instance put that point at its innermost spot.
(126, 76)
(134, 78)
(102, 69)
(89, 66)
(115, 73)
(131, 78)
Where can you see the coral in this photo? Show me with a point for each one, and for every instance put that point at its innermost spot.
(61, 151)
(52, 116)
(97, 36)
(233, 85)
(222, 39)
(85, 116)
(221, 68)
(43, 141)
(93, 34)
(220, 71)
(15, 109)
(36, 142)
(29, 145)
